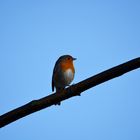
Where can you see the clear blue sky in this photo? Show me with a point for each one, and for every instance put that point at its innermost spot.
(100, 34)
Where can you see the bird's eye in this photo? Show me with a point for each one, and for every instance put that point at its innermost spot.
(68, 58)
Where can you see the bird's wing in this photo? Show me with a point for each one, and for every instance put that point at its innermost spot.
(52, 79)
(52, 85)
(56, 67)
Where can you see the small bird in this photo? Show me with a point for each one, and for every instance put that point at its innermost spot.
(63, 73)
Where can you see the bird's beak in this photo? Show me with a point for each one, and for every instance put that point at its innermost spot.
(74, 58)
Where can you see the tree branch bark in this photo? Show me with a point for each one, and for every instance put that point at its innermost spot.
(69, 92)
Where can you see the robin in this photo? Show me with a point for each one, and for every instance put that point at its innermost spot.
(63, 73)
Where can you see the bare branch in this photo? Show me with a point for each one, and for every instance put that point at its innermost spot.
(69, 92)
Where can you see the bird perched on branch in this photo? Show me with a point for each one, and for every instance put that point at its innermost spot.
(63, 73)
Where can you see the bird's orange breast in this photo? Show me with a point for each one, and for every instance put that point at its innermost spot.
(67, 65)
